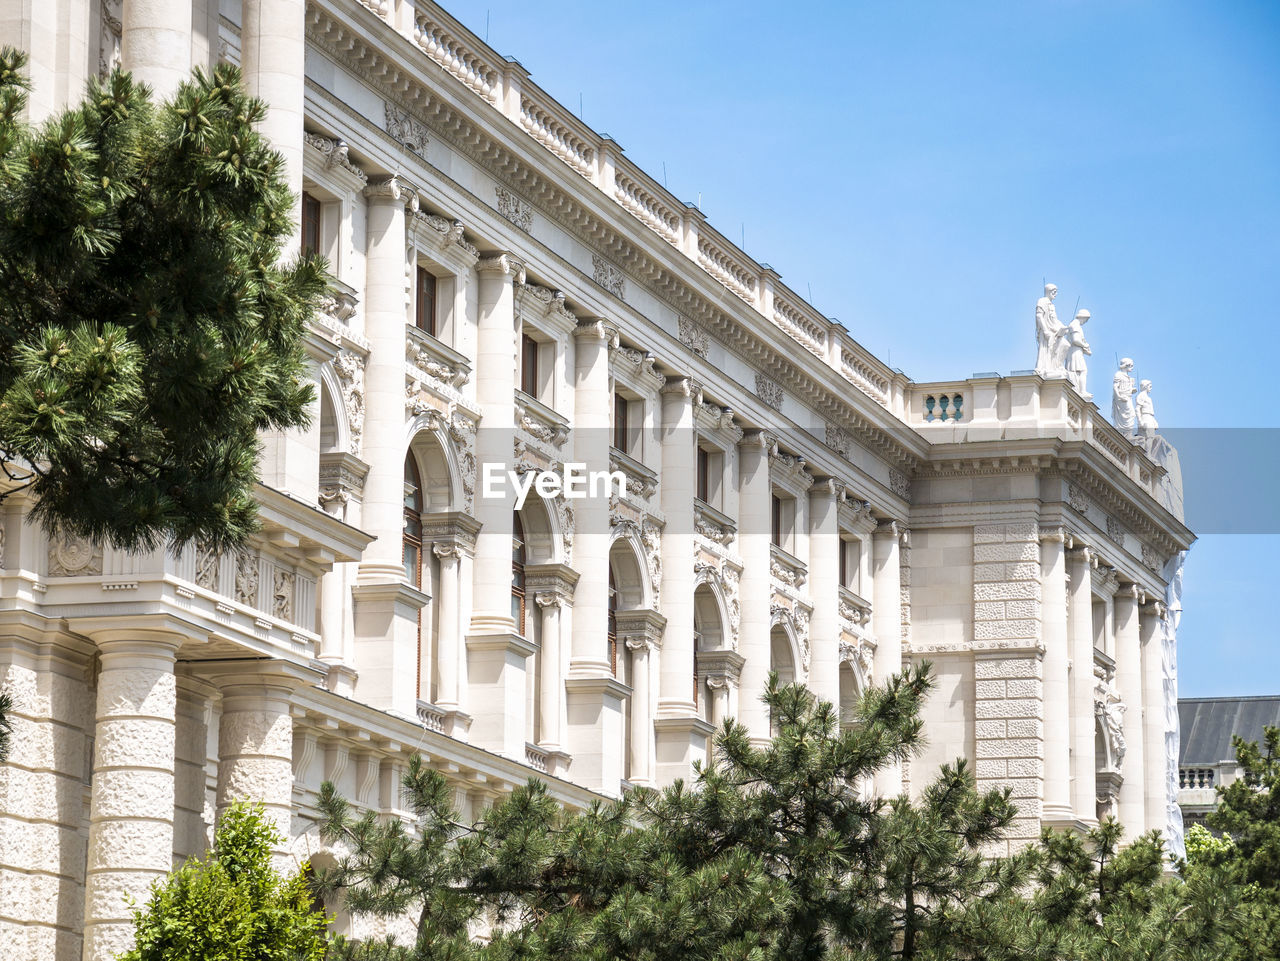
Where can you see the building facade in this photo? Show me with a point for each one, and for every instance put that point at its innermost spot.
(1206, 754)
(513, 295)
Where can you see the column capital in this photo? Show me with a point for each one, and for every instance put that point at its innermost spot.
(242, 676)
(154, 634)
(545, 599)
(503, 265)
(447, 550)
(721, 682)
(641, 628)
(1083, 553)
(1131, 591)
(828, 487)
(678, 384)
(1154, 607)
(760, 440)
(391, 189)
(1056, 534)
(596, 328)
(887, 529)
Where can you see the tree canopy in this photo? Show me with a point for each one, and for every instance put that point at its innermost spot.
(148, 330)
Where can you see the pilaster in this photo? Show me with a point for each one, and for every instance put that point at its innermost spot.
(1132, 807)
(755, 588)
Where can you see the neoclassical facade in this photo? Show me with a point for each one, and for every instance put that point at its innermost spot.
(512, 296)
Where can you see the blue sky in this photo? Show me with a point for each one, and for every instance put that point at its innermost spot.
(920, 167)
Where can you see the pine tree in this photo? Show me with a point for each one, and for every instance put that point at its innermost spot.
(231, 905)
(147, 332)
(6, 725)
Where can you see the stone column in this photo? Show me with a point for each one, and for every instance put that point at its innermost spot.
(255, 737)
(886, 624)
(1057, 697)
(824, 589)
(495, 395)
(641, 716)
(1156, 773)
(755, 589)
(272, 51)
(450, 659)
(681, 735)
(497, 657)
(551, 690)
(594, 720)
(386, 606)
(1132, 809)
(155, 44)
(720, 686)
(1084, 761)
(132, 806)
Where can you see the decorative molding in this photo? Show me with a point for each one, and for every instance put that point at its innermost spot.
(1115, 530)
(1150, 559)
(900, 484)
(608, 276)
(462, 431)
(349, 367)
(693, 336)
(208, 561)
(769, 391)
(406, 129)
(518, 211)
(71, 556)
(335, 153)
(282, 591)
(247, 578)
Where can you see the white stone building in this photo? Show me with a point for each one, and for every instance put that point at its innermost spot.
(513, 291)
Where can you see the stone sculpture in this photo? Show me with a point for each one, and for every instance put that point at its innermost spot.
(1077, 350)
(1049, 333)
(1146, 412)
(1123, 389)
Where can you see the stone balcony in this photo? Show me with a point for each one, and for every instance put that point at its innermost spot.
(787, 568)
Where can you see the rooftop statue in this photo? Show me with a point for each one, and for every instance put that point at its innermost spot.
(1123, 389)
(1146, 411)
(1077, 350)
(1049, 334)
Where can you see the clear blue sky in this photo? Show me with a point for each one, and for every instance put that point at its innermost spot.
(921, 166)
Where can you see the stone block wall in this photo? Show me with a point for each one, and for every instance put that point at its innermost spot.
(1009, 670)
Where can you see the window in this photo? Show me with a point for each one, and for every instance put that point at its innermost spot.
(621, 438)
(425, 306)
(412, 523)
(850, 562)
(704, 476)
(784, 520)
(310, 224)
(777, 520)
(517, 574)
(528, 365)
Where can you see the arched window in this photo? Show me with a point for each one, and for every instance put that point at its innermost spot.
(518, 556)
(412, 522)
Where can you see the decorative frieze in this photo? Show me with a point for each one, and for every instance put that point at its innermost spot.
(516, 210)
(405, 129)
(71, 556)
(608, 276)
(208, 560)
(769, 391)
(282, 587)
(247, 578)
(900, 484)
(693, 336)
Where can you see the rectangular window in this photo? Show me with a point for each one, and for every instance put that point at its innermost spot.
(528, 365)
(310, 224)
(777, 531)
(844, 564)
(621, 438)
(425, 308)
(704, 476)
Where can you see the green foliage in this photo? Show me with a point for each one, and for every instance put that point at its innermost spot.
(1203, 847)
(147, 332)
(6, 725)
(232, 905)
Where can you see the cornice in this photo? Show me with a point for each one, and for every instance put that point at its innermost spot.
(490, 142)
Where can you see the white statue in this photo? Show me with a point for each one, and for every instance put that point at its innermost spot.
(1049, 333)
(1123, 389)
(1146, 411)
(1109, 710)
(1077, 350)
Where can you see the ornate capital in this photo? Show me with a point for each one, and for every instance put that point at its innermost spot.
(721, 682)
(1055, 535)
(545, 599)
(390, 188)
(890, 528)
(446, 550)
(596, 329)
(503, 264)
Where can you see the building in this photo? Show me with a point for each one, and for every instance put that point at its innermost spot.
(512, 291)
(1206, 755)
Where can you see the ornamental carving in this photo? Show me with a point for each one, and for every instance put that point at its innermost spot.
(861, 654)
(282, 587)
(608, 276)
(769, 391)
(335, 154)
(71, 556)
(1109, 710)
(207, 560)
(349, 367)
(799, 623)
(406, 129)
(462, 432)
(1115, 530)
(729, 576)
(900, 484)
(694, 337)
(247, 578)
(838, 440)
(1077, 500)
(518, 211)
(109, 37)
(1150, 559)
